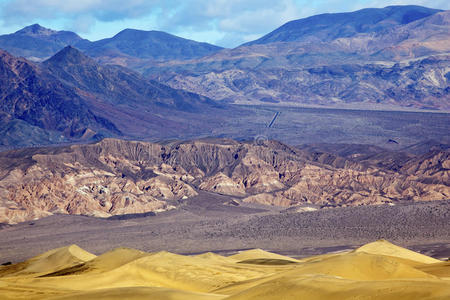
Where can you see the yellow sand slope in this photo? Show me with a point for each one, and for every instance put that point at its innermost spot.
(383, 247)
(215, 257)
(258, 254)
(48, 262)
(320, 287)
(378, 270)
(361, 266)
(106, 262)
(441, 269)
(138, 293)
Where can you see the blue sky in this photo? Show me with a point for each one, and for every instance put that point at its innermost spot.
(226, 23)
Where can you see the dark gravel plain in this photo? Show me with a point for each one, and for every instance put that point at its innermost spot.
(205, 223)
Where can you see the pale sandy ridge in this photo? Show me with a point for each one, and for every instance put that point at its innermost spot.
(378, 270)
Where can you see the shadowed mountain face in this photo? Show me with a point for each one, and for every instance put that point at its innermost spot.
(72, 95)
(115, 177)
(117, 84)
(35, 96)
(155, 45)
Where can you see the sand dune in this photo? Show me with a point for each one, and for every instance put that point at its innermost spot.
(103, 263)
(48, 262)
(441, 269)
(378, 270)
(140, 293)
(383, 247)
(319, 287)
(258, 253)
(361, 267)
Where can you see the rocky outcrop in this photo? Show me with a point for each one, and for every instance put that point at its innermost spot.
(70, 97)
(30, 94)
(419, 84)
(397, 56)
(114, 177)
(391, 57)
(222, 184)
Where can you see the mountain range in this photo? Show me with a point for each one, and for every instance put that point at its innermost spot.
(329, 27)
(35, 42)
(394, 57)
(71, 97)
(367, 57)
(149, 84)
(38, 43)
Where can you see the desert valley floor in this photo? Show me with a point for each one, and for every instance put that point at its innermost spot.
(209, 222)
(210, 254)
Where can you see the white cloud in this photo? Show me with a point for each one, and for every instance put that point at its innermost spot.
(101, 9)
(237, 20)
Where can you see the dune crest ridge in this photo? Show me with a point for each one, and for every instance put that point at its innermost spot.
(378, 270)
(384, 247)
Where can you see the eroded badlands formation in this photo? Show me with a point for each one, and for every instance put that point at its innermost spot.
(114, 177)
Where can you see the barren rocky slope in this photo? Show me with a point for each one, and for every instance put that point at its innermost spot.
(30, 94)
(397, 56)
(71, 97)
(422, 83)
(116, 177)
(393, 62)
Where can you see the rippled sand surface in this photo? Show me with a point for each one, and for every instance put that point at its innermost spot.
(379, 270)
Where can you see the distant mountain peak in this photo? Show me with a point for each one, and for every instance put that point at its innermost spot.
(326, 27)
(70, 55)
(405, 7)
(152, 44)
(128, 30)
(36, 29)
(36, 42)
(130, 33)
